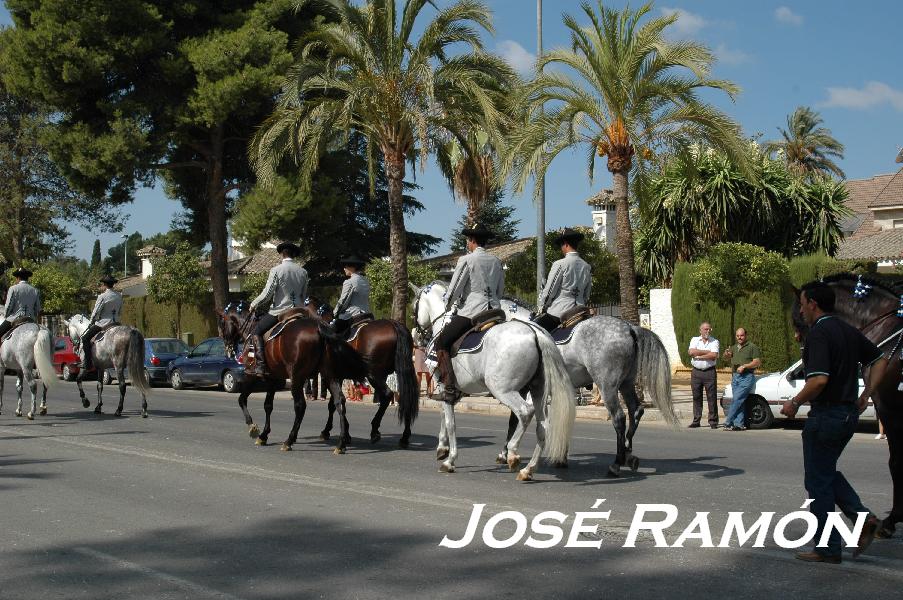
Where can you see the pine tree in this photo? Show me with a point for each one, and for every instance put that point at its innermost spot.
(493, 215)
(95, 255)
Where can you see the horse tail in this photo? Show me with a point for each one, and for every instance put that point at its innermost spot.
(43, 359)
(136, 362)
(344, 360)
(408, 392)
(654, 370)
(559, 394)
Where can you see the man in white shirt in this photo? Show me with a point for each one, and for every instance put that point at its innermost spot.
(703, 354)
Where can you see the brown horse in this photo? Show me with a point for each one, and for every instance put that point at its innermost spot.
(386, 347)
(303, 349)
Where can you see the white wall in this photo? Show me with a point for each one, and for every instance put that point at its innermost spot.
(662, 323)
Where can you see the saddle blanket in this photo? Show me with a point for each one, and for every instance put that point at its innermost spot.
(562, 335)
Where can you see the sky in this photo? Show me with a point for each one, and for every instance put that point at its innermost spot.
(840, 58)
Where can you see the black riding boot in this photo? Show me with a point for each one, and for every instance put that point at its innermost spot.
(447, 377)
(260, 361)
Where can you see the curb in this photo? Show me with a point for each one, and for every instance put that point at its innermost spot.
(488, 406)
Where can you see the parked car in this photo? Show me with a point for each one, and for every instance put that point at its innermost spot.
(65, 358)
(770, 392)
(207, 365)
(158, 353)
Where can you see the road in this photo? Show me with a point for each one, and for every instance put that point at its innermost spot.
(183, 505)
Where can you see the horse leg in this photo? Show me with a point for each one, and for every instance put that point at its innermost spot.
(612, 403)
(81, 389)
(18, 394)
(324, 435)
(335, 389)
(120, 379)
(299, 401)
(43, 399)
(244, 392)
(448, 465)
(33, 388)
(268, 410)
(634, 414)
(97, 408)
(524, 414)
(383, 394)
(526, 474)
(442, 448)
(502, 458)
(2, 382)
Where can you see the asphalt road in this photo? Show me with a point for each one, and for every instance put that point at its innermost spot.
(184, 505)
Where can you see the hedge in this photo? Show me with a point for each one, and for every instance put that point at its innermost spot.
(158, 320)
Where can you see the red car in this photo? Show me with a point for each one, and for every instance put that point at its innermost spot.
(65, 358)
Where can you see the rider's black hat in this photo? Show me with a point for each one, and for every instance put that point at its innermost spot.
(22, 273)
(478, 232)
(570, 236)
(352, 261)
(293, 250)
(109, 281)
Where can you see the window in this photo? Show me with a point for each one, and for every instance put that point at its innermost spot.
(217, 348)
(202, 349)
(168, 347)
(897, 224)
(60, 345)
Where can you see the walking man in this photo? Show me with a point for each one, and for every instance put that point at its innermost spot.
(832, 355)
(704, 351)
(745, 358)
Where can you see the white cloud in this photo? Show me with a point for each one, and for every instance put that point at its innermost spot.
(516, 55)
(687, 23)
(875, 93)
(787, 16)
(732, 57)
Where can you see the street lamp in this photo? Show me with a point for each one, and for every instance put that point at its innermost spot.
(541, 198)
(125, 256)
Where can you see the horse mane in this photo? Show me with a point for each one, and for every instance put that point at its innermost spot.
(892, 289)
(519, 301)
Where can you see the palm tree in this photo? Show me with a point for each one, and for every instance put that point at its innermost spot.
(807, 147)
(637, 91)
(470, 171)
(364, 70)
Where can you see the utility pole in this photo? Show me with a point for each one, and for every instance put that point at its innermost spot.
(541, 198)
(125, 256)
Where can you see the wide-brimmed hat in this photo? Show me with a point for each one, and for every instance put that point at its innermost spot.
(289, 247)
(570, 236)
(22, 273)
(352, 261)
(478, 232)
(108, 280)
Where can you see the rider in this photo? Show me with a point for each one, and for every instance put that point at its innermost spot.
(107, 310)
(355, 297)
(478, 283)
(23, 302)
(568, 284)
(285, 289)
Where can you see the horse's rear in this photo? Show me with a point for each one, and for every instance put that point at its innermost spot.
(121, 348)
(29, 347)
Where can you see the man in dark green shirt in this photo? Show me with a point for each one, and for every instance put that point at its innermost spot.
(745, 358)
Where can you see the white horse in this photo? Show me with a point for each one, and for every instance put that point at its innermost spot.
(612, 353)
(122, 347)
(515, 359)
(29, 347)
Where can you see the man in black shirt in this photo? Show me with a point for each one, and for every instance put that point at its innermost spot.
(832, 357)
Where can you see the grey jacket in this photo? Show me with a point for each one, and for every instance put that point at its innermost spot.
(569, 284)
(22, 300)
(286, 288)
(477, 284)
(354, 299)
(107, 308)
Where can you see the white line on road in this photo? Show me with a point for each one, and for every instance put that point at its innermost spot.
(190, 586)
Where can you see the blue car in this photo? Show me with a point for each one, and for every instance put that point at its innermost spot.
(207, 365)
(158, 353)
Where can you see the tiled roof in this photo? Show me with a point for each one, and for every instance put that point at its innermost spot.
(880, 246)
(862, 194)
(150, 250)
(892, 194)
(504, 252)
(128, 282)
(261, 262)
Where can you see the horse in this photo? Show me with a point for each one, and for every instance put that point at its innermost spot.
(514, 359)
(28, 347)
(386, 347)
(612, 353)
(302, 349)
(121, 347)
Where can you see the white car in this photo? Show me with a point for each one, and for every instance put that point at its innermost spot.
(770, 392)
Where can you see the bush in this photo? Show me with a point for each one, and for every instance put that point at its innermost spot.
(159, 320)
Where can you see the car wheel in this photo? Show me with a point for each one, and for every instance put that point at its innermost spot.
(759, 413)
(176, 380)
(67, 373)
(229, 384)
(107, 378)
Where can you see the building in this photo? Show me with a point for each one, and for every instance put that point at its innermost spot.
(605, 225)
(874, 231)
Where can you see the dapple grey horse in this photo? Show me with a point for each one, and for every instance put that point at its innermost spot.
(612, 353)
(121, 347)
(28, 347)
(515, 359)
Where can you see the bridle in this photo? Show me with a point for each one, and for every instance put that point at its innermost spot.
(420, 331)
(242, 328)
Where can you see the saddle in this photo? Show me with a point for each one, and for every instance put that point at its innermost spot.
(99, 335)
(292, 314)
(18, 322)
(472, 340)
(570, 319)
(358, 323)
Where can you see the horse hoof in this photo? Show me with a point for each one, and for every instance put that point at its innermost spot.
(254, 431)
(446, 467)
(260, 442)
(85, 403)
(338, 451)
(97, 411)
(143, 414)
(30, 416)
(501, 459)
(286, 447)
(513, 463)
(43, 410)
(614, 471)
(524, 475)
(18, 413)
(441, 453)
(634, 463)
(324, 436)
(403, 444)
(375, 437)
(118, 413)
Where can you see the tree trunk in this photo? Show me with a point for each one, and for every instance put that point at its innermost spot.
(626, 265)
(216, 221)
(178, 319)
(395, 170)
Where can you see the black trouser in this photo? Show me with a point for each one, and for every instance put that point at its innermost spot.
(704, 379)
(341, 327)
(893, 429)
(89, 333)
(455, 328)
(5, 326)
(264, 324)
(547, 321)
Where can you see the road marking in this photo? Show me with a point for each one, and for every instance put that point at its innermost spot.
(194, 588)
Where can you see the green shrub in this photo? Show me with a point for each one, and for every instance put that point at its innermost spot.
(159, 320)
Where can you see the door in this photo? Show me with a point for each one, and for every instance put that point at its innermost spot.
(193, 367)
(213, 363)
